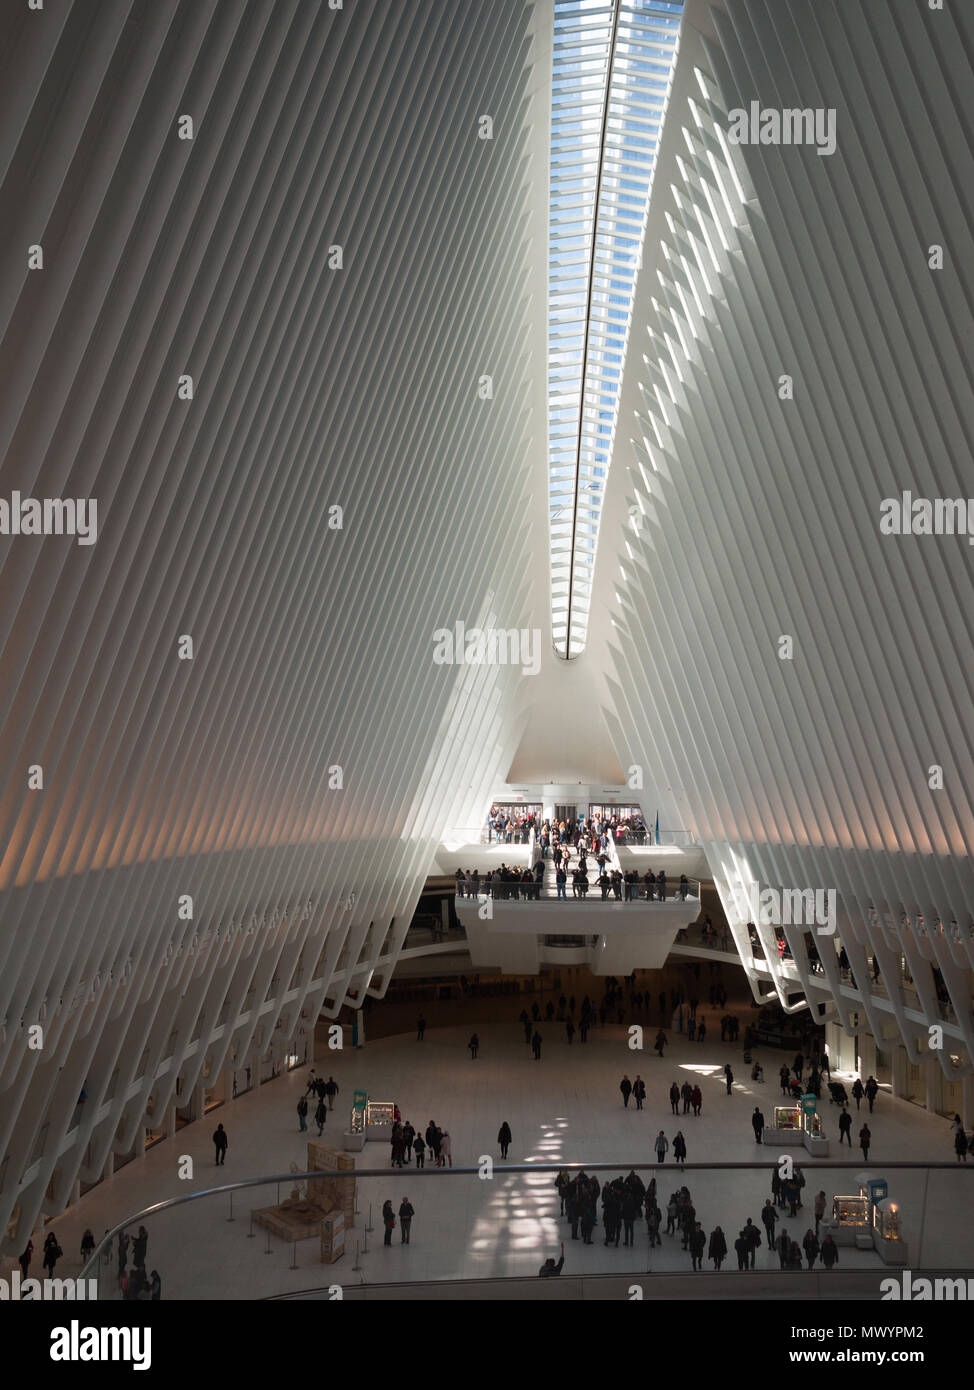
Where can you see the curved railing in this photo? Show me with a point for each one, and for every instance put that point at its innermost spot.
(506, 1221)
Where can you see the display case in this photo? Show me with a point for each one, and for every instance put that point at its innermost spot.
(888, 1232)
(786, 1126)
(813, 1135)
(379, 1118)
(850, 1221)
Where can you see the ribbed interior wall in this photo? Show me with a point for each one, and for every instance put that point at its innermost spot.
(740, 517)
(313, 387)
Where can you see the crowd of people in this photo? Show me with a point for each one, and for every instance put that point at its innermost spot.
(513, 825)
(627, 1200)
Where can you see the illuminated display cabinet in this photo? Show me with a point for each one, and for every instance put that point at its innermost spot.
(795, 1124)
(850, 1221)
(378, 1119)
(888, 1232)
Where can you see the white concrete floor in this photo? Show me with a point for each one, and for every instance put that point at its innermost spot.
(565, 1107)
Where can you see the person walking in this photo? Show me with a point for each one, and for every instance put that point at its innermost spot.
(858, 1092)
(302, 1114)
(752, 1235)
(811, 1247)
(728, 1077)
(769, 1218)
(474, 1046)
(504, 1138)
(446, 1149)
(625, 1086)
(717, 1250)
(419, 1149)
(675, 1098)
(321, 1115)
(388, 1221)
(420, 1028)
(331, 1091)
(819, 1210)
(536, 1045)
(696, 1100)
(679, 1147)
(639, 1092)
(87, 1246)
(698, 1243)
(52, 1253)
(660, 1042)
(26, 1257)
(784, 1248)
(742, 1250)
(961, 1146)
(865, 1139)
(662, 1144)
(406, 1214)
(845, 1127)
(757, 1123)
(872, 1089)
(686, 1092)
(220, 1142)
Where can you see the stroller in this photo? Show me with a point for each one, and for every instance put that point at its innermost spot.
(837, 1093)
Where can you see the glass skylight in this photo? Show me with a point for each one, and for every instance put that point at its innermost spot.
(611, 72)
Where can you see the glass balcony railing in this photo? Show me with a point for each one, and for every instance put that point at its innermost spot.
(275, 1236)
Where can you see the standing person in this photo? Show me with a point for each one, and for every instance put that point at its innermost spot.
(742, 1250)
(784, 1248)
(388, 1221)
(872, 1087)
(752, 1235)
(769, 1217)
(504, 1139)
(139, 1247)
(829, 1252)
(26, 1257)
(696, 1100)
(302, 1114)
(220, 1142)
(446, 1148)
(660, 1042)
(474, 1046)
(123, 1251)
(701, 1028)
(321, 1115)
(679, 1147)
(662, 1144)
(625, 1086)
(961, 1146)
(757, 1123)
(155, 1286)
(865, 1139)
(717, 1250)
(639, 1092)
(675, 1098)
(811, 1247)
(819, 1210)
(686, 1091)
(408, 1135)
(728, 1077)
(698, 1243)
(331, 1091)
(420, 1028)
(536, 1045)
(406, 1214)
(858, 1092)
(845, 1127)
(87, 1247)
(784, 1076)
(419, 1148)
